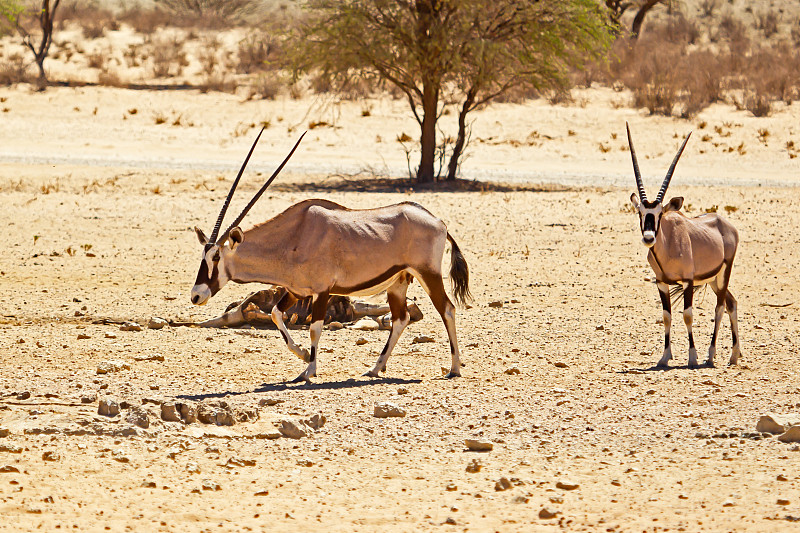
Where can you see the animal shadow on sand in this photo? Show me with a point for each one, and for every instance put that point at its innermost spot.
(656, 368)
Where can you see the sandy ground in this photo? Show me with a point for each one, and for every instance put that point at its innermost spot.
(98, 210)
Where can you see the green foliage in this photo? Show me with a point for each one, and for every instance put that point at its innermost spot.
(10, 10)
(460, 52)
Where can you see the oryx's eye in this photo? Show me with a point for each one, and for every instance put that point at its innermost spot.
(216, 257)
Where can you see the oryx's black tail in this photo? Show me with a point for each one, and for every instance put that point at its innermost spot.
(459, 273)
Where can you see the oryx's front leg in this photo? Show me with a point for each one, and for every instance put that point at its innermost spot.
(277, 318)
(666, 304)
(396, 295)
(319, 305)
(433, 285)
(730, 306)
(688, 293)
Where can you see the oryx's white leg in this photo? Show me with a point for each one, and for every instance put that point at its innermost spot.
(719, 287)
(277, 319)
(688, 293)
(433, 285)
(396, 295)
(666, 305)
(319, 305)
(730, 305)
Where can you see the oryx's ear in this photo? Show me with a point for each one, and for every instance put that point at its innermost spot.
(635, 201)
(236, 237)
(201, 236)
(674, 204)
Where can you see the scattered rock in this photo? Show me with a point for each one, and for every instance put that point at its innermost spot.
(151, 357)
(138, 417)
(366, 324)
(120, 457)
(558, 498)
(402, 390)
(384, 409)
(4, 432)
(293, 429)
(268, 435)
(567, 485)
(157, 323)
(776, 423)
(238, 461)
(502, 484)
(106, 367)
(50, 455)
(262, 492)
(192, 468)
(512, 371)
(83, 336)
(560, 364)
(24, 395)
(782, 501)
(476, 445)
(335, 326)
(8, 469)
(108, 407)
(422, 339)
(781, 477)
(217, 413)
(599, 327)
(316, 422)
(361, 341)
(130, 326)
(791, 435)
(209, 484)
(169, 412)
(450, 521)
(496, 304)
(187, 411)
(149, 484)
(451, 487)
(269, 402)
(728, 503)
(89, 398)
(546, 513)
(474, 466)
(10, 448)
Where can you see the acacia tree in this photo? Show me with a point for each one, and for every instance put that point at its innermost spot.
(617, 8)
(450, 52)
(15, 14)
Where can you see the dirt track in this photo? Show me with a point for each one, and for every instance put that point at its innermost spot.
(579, 321)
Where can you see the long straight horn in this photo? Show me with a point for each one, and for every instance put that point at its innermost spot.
(671, 170)
(642, 195)
(222, 211)
(260, 192)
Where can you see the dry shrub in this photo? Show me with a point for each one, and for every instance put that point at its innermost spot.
(93, 20)
(13, 70)
(767, 23)
(207, 55)
(707, 7)
(265, 86)
(109, 78)
(211, 13)
(146, 21)
(257, 52)
(96, 59)
(168, 57)
(218, 82)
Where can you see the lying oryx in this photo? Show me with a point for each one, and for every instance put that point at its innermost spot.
(317, 248)
(687, 253)
(256, 310)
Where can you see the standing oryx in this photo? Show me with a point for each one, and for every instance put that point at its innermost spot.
(317, 248)
(687, 253)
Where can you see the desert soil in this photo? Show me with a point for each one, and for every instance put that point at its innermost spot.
(99, 203)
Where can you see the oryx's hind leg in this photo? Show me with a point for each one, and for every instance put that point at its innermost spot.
(730, 306)
(688, 293)
(720, 288)
(277, 318)
(666, 304)
(433, 285)
(319, 306)
(396, 295)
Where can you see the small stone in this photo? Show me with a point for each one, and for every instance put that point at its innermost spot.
(316, 422)
(791, 435)
(8, 469)
(728, 503)
(268, 402)
(477, 445)
(600, 327)
(50, 455)
(4, 432)
(24, 395)
(188, 412)
(782, 501)
(567, 485)
(419, 339)
(268, 435)
(402, 390)
(384, 409)
(546, 513)
(157, 323)
(335, 326)
(106, 367)
(192, 468)
(149, 484)
(450, 521)
(293, 429)
(108, 407)
(120, 457)
(110, 336)
(209, 484)
(138, 417)
(169, 412)
(238, 461)
(496, 304)
(366, 324)
(218, 413)
(262, 492)
(361, 341)
(451, 487)
(512, 371)
(502, 484)
(560, 364)
(89, 398)
(83, 336)
(776, 423)
(781, 477)
(558, 499)
(10, 448)
(130, 326)
(474, 466)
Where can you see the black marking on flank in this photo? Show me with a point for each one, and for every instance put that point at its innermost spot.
(377, 280)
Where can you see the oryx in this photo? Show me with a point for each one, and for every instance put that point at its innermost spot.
(687, 253)
(318, 248)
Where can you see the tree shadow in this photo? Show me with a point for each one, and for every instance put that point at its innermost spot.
(288, 385)
(371, 183)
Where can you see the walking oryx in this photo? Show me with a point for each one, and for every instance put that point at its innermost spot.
(317, 248)
(687, 253)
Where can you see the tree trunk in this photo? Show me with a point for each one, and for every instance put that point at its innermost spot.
(430, 105)
(461, 139)
(638, 20)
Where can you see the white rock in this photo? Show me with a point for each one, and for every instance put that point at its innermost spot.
(130, 326)
(106, 367)
(366, 324)
(776, 423)
(334, 326)
(385, 409)
(157, 323)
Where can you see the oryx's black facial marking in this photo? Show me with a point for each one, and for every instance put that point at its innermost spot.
(650, 214)
(207, 276)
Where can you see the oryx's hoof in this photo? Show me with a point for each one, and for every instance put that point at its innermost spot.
(451, 375)
(301, 378)
(304, 355)
(710, 363)
(370, 374)
(662, 364)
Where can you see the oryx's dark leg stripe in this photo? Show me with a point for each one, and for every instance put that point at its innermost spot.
(666, 305)
(688, 293)
(319, 307)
